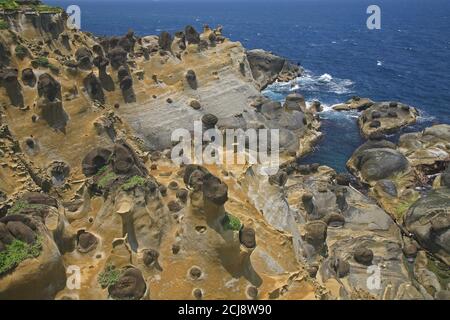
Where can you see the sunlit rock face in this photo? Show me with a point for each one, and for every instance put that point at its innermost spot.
(88, 185)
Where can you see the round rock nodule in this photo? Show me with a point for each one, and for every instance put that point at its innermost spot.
(363, 256)
(131, 286)
(247, 237)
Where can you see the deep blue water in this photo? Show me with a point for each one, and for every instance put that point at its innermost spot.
(407, 60)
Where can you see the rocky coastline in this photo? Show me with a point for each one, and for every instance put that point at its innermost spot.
(86, 177)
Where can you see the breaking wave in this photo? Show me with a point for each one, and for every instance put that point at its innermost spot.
(311, 83)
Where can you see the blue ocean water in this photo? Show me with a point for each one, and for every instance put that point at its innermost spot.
(408, 60)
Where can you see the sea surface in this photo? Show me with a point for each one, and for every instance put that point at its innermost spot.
(408, 60)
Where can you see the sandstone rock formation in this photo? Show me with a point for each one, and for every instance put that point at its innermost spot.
(386, 117)
(267, 68)
(101, 191)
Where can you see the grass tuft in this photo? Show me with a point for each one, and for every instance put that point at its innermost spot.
(106, 179)
(21, 205)
(109, 276)
(133, 182)
(17, 252)
(230, 222)
(3, 25)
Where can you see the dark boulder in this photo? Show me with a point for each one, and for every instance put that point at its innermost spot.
(165, 41)
(209, 121)
(21, 231)
(215, 190)
(84, 58)
(192, 36)
(191, 79)
(86, 242)
(118, 57)
(363, 255)
(5, 236)
(94, 88)
(95, 160)
(48, 87)
(247, 237)
(105, 79)
(316, 233)
(28, 77)
(9, 80)
(150, 257)
(130, 286)
(40, 199)
(125, 161)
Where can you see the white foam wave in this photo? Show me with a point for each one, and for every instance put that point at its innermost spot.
(309, 82)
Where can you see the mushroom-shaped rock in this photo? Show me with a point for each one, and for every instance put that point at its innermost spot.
(215, 190)
(295, 101)
(9, 80)
(363, 255)
(192, 36)
(28, 77)
(48, 87)
(94, 88)
(125, 161)
(316, 233)
(95, 160)
(118, 57)
(209, 121)
(191, 79)
(86, 242)
(150, 257)
(130, 286)
(84, 58)
(247, 237)
(6, 237)
(165, 41)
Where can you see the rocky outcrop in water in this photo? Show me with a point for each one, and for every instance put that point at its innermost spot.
(267, 68)
(386, 117)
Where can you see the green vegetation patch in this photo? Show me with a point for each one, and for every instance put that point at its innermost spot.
(109, 276)
(230, 222)
(106, 178)
(3, 25)
(133, 182)
(17, 252)
(45, 8)
(41, 62)
(9, 5)
(21, 51)
(21, 205)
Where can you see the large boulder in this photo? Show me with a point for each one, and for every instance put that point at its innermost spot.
(377, 160)
(192, 36)
(9, 80)
(118, 57)
(130, 286)
(165, 41)
(95, 160)
(429, 221)
(84, 58)
(386, 117)
(267, 67)
(48, 87)
(41, 273)
(94, 88)
(428, 151)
